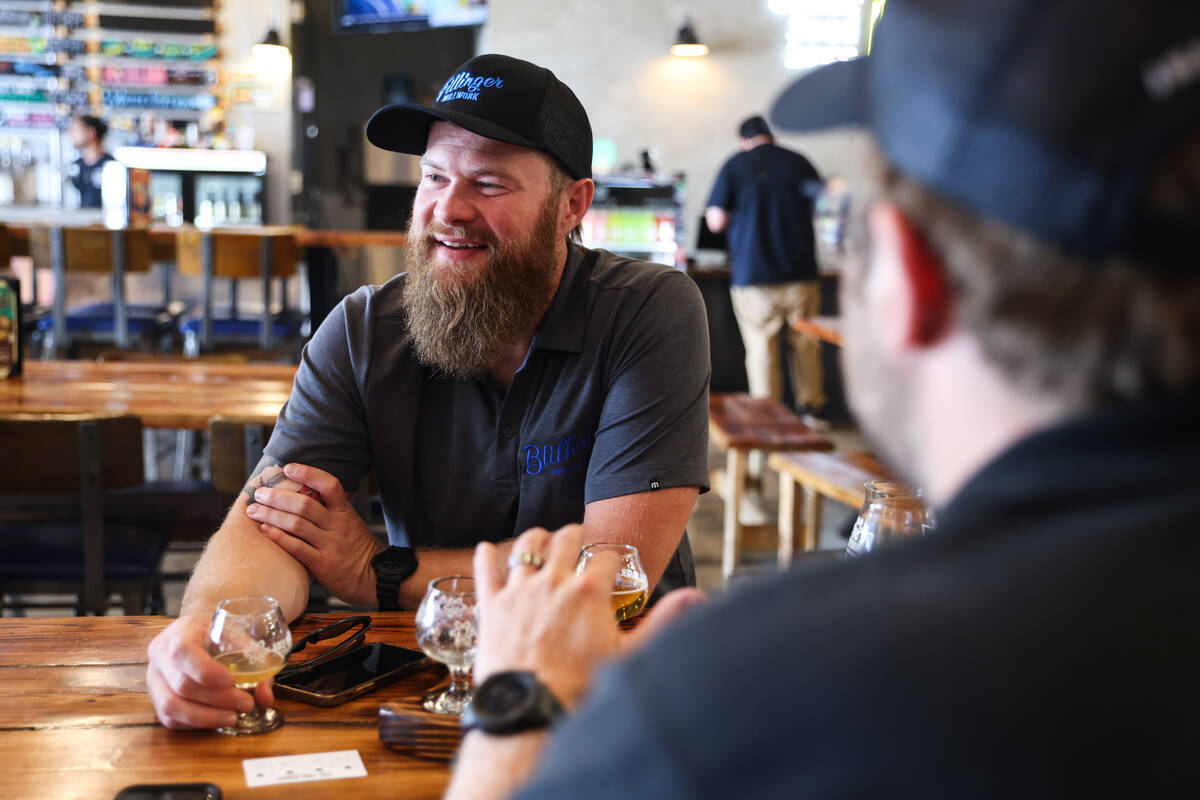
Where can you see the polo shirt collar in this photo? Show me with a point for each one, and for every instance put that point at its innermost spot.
(562, 326)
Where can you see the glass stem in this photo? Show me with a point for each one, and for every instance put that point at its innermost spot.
(460, 680)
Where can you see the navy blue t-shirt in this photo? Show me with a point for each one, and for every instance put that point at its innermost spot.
(768, 193)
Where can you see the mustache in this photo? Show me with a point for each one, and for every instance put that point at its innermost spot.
(430, 233)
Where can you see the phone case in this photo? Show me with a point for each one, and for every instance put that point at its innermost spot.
(196, 791)
(336, 699)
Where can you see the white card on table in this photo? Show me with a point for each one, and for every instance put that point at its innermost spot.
(301, 768)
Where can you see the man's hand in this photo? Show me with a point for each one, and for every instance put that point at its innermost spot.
(329, 537)
(549, 621)
(188, 688)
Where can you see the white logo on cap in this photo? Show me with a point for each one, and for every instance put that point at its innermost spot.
(1175, 70)
(465, 86)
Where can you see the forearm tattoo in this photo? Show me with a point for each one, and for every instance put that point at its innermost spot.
(268, 473)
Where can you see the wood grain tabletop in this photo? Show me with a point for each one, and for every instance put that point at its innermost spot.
(77, 722)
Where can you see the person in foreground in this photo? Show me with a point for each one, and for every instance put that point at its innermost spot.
(510, 378)
(1022, 329)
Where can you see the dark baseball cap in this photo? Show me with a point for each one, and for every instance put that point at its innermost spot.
(501, 98)
(1048, 115)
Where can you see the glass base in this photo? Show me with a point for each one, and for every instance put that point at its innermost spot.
(260, 720)
(447, 702)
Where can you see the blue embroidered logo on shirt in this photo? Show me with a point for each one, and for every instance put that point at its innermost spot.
(465, 86)
(566, 455)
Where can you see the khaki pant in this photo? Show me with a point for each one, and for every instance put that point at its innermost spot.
(764, 312)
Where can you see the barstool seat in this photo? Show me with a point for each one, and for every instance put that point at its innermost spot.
(267, 255)
(97, 250)
(100, 318)
(285, 325)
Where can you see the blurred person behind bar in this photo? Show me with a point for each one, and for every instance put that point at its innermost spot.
(1022, 338)
(87, 135)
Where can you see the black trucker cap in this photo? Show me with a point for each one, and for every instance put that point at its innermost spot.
(501, 98)
(1048, 115)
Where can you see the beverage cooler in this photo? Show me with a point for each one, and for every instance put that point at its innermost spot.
(173, 186)
(640, 216)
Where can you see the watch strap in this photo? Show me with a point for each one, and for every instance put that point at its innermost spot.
(392, 567)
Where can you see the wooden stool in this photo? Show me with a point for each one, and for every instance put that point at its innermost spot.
(739, 423)
(94, 249)
(837, 475)
(266, 254)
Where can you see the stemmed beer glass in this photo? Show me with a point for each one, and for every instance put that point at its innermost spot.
(249, 637)
(447, 632)
(630, 587)
(890, 511)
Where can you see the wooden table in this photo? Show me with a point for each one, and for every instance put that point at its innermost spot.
(826, 329)
(164, 236)
(168, 394)
(77, 722)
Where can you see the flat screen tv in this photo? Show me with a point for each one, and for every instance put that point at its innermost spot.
(370, 16)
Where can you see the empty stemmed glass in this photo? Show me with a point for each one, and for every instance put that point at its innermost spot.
(890, 511)
(630, 587)
(249, 637)
(447, 632)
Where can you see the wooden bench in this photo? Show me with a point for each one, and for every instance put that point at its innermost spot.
(738, 424)
(836, 475)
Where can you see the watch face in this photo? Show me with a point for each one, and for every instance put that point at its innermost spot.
(394, 559)
(503, 694)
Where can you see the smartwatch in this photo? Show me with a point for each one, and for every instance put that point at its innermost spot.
(393, 567)
(511, 702)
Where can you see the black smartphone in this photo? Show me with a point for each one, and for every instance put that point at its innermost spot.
(349, 675)
(170, 791)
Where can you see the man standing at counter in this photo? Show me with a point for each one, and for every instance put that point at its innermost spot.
(510, 379)
(1022, 338)
(87, 135)
(762, 196)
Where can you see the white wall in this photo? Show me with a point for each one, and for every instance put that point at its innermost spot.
(242, 24)
(614, 55)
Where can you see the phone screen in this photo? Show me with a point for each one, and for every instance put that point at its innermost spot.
(177, 791)
(352, 669)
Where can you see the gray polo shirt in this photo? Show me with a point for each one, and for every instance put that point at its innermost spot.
(612, 399)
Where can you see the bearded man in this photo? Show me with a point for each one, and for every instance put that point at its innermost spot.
(511, 380)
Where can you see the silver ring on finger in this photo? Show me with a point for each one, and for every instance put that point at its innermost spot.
(525, 559)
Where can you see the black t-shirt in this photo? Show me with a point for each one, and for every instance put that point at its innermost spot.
(86, 178)
(1044, 642)
(768, 193)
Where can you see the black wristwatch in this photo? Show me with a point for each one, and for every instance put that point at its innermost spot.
(511, 702)
(393, 567)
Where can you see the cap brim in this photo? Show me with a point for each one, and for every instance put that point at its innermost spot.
(404, 128)
(831, 96)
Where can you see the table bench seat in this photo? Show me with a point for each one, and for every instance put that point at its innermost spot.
(738, 424)
(839, 476)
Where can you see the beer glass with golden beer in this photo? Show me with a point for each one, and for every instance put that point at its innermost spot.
(250, 638)
(632, 586)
